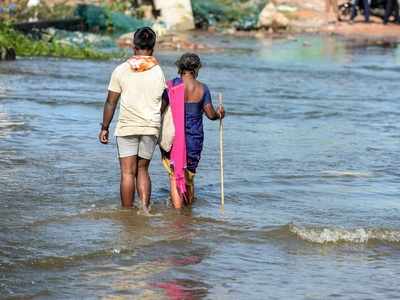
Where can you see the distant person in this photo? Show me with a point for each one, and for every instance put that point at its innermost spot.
(357, 3)
(392, 8)
(139, 83)
(332, 6)
(189, 100)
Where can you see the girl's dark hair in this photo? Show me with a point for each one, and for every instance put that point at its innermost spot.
(188, 62)
(144, 38)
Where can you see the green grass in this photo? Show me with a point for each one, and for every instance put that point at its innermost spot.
(225, 13)
(27, 46)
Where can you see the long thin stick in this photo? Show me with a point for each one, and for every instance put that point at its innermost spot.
(221, 151)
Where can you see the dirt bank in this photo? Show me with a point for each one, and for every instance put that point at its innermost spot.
(366, 31)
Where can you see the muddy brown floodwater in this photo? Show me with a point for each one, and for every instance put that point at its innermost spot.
(312, 182)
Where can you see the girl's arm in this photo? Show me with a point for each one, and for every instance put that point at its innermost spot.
(213, 114)
(208, 108)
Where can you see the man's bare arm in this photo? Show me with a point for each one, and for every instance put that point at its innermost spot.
(109, 109)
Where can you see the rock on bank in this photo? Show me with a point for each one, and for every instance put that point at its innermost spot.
(295, 15)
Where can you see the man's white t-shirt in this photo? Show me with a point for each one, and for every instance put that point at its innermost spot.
(140, 102)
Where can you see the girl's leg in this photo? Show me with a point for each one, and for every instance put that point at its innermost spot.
(190, 187)
(190, 194)
(176, 199)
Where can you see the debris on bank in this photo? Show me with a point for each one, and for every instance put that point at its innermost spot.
(168, 41)
(7, 53)
(299, 16)
(14, 43)
(293, 15)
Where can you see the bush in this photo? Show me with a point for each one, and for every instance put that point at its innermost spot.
(207, 13)
(120, 22)
(242, 14)
(102, 19)
(26, 46)
(95, 17)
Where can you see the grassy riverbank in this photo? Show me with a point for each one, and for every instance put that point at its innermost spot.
(108, 22)
(26, 46)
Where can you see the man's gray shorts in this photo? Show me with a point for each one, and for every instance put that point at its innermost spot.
(140, 145)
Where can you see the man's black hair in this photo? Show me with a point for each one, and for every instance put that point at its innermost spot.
(144, 38)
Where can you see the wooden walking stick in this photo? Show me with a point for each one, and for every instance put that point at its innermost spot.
(221, 152)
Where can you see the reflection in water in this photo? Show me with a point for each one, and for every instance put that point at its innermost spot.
(145, 252)
(305, 50)
(183, 289)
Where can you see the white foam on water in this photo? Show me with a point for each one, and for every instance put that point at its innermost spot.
(336, 235)
(146, 211)
(148, 214)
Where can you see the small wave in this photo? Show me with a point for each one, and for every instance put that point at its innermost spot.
(61, 101)
(248, 114)
(345, 174)
(64, 102)
(310, 115)
(336, 235)
(51, 262)
(380, 68)
(8, 125)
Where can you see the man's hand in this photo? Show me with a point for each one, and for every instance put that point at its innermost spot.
(103, 136)
(108, 113)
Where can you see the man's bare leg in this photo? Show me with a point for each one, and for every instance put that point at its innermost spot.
(144, 182)
(128, 178)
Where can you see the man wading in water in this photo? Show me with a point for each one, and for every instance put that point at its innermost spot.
(140, 83)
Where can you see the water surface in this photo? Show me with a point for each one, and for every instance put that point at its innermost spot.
(312, 182)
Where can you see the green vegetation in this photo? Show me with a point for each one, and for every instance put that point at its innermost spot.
(241, 14)
(112, 17)
(102, 19)
(117, 17)
(27, 46)
(120, 22)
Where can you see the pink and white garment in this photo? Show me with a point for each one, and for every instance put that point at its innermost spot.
(176, 95)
